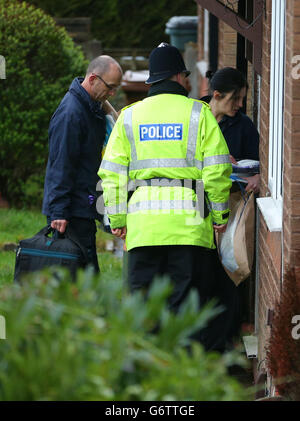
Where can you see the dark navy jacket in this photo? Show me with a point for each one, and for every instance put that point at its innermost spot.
(76, 136)
(241, 135)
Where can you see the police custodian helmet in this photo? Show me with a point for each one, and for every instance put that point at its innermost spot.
(164, 62)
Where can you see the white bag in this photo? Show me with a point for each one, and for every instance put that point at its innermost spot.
(236, 245)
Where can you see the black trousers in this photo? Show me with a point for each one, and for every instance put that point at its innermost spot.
(189, 267)
(85, 230)
(222, 330)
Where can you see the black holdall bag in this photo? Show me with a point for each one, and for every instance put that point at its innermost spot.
(42, 250)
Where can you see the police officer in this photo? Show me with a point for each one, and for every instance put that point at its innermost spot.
(165, 143)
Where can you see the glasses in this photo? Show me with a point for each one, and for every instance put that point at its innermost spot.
(110, 87)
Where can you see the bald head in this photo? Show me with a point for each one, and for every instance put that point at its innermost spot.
(103, 64)
(103, 77)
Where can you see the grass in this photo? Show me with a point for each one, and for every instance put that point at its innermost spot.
(16, 225)
(7, 262)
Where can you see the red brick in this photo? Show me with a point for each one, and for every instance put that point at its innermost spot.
(293, 223)
(292, 155)
(295, 8)
(295, 124)
(295, 207)
(296, 141)
(268, 264)
(295, 243)
(296, 44)
(296, 24)
(291, 257)
(292, 173)
(296, 107)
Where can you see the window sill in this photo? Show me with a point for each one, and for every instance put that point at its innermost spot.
(271, 210)
(251, 346)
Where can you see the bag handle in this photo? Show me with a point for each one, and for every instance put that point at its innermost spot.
(69, 233)
(245, 195)
(45, 231)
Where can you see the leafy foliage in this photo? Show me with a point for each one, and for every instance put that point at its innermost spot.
(93, 341)
(125, 23)
(41, 61)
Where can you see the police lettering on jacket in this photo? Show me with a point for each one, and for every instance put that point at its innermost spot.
(169, 131)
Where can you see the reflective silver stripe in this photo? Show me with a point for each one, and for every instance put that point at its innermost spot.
(193, 133)
(164, 163)
(129, 132)
(219, 206)
(162, 204)
(216, 159)
(112, 166)
(158, 163)
(116, 209)
(198, 164)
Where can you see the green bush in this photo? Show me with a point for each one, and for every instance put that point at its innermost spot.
(125, 23)
(41, 61)
(93, 341)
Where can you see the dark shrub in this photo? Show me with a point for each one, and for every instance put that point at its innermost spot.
(41, 61)
(126, 23)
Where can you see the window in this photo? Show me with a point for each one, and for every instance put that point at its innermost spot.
(271, 207)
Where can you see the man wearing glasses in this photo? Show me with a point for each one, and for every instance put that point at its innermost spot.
(76, 136)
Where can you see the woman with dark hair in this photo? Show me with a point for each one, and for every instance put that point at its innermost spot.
(228, 89)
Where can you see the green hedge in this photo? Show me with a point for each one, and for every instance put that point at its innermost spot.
(126, 23)
(41, 61)
(90, 340)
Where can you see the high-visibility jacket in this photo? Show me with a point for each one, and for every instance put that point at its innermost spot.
(174, 137)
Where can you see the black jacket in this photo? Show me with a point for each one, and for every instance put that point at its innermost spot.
(241, 135)
(76, 136)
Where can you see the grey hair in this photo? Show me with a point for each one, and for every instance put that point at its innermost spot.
(101, 65)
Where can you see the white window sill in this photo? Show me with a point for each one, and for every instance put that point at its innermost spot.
(271, 210)
(251, 346)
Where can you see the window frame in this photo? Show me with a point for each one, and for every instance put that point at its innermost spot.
(276, 123)
(272, 207)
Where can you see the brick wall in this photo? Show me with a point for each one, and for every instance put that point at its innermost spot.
(202, 81)
(250, 97)
(269, 244)
(200, 32)
(227, 45)
(291, 226)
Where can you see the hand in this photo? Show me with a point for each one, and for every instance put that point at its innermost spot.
(120, 232)
(220, 228)
(233, 161)
(253, 183)
(60, 225)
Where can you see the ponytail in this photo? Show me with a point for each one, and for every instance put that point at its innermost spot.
(209, 74)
